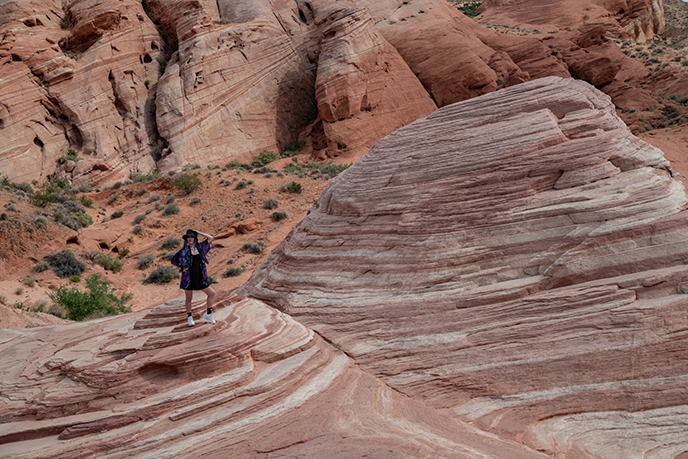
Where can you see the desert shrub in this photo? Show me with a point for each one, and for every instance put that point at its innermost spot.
(139, 218)
(162, 275)
(145, 261)
(162, 64)
(141, 178)
(65, 264)
(19, 291)
(110, 263)
(11, 207)
(233, 271)
(292, 187)
(171, 243)
(41, 266)
(213, 279)
(117, 214)
(84, 220)
(124, 252)
(29, 281)
(88, 202)
(281, 215)
(155, 197)
(241, 184)
(69, 156)
(76, 279)
(138, 229)
(171, 209)
(187, 183)
(292, 168)
(291, 149)
(114, 197)
(195, 200)
(237, 165)
(57, 310)
(270, 204)
(98, 300)
(190, 166)
(170, 198)
(253, 248)
(3, 299)
(263, 158)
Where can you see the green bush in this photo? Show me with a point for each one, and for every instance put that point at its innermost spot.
(233, 272)
(145, 261)
(171, 209)
(70, 156)
(292, 187)
(292, 168)
(88, 202)
(65, 264)
(188, 183)
(141, 178)
(139, 218)
(162, 275)
(171, 243)
(162, 63)
(253, 248)
(100, 299)
(41, 266)
(270, 204)
(263, 158)
(291, 149)
(84, 220)
(113, 264)
(76, 279)
(281, 215)
(117, 214)
(237, 165)
(29, 281)
(138, 229)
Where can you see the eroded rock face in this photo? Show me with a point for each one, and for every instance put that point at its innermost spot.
(636, 19)
(517, 259)
(256, 383)
(132, 86)
(77, 77)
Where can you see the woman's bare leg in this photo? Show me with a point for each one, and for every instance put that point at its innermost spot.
(189, 297)
(211, 297)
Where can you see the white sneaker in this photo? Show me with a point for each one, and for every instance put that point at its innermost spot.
(190, 321)
(209, 317)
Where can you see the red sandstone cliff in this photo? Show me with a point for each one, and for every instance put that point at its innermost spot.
(242, 77)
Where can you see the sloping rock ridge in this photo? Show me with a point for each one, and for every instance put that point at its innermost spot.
(255, 384)
(517, 259)
(132, 86)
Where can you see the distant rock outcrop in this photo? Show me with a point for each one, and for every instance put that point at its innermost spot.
(518, 259)
(255, 384)
(132, 86)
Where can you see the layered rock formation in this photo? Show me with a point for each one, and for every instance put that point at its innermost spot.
(241, 77)
(640, 20)
(517, 259)
(255, 384)
(79, 78)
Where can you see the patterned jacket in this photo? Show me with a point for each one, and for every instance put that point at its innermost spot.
(182, 260)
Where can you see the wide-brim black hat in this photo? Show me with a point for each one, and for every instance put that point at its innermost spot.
(191, 233)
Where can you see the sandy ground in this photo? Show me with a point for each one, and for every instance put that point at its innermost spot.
(234, 216)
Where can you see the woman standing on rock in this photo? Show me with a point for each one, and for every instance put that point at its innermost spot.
(191, 260)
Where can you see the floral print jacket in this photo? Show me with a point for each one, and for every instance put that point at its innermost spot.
(182, 260)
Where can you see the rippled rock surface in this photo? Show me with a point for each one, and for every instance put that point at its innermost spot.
(255, 384)
(518, 260)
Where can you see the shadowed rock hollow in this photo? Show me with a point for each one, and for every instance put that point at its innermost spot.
(255, 384)
(517, 259)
